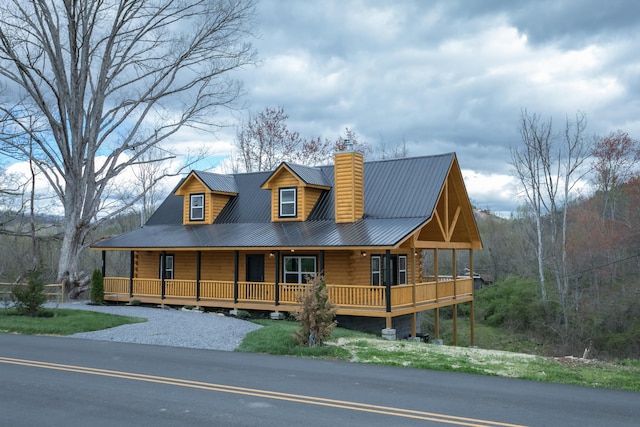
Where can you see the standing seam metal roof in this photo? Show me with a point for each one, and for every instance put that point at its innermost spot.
(399, 196)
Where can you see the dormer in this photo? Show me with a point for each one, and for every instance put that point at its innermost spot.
(205, 195)
(295, 190)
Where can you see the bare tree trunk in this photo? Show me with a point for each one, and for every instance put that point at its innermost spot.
(35, 249)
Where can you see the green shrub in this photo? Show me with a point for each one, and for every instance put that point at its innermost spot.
(513, 303)
(316, 314)
(243, 314)
(97, 287)
(28, 300)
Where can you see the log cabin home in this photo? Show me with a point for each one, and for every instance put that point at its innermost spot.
(251, 241)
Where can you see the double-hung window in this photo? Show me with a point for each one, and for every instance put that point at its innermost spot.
(376, 271)
(402, 269)
(397, 273)
(287, 202)
(196, 204)
(298, 269)
(166, 267)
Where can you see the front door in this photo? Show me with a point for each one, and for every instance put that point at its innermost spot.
(255, 273)
(255, 268)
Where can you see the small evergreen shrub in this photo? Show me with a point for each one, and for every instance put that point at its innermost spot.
(316, 314)
(243, 314)
(97, 288)
(28, 300)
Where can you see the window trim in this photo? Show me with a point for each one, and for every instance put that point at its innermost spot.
(282, 203)
(193, 197)
(301, 274)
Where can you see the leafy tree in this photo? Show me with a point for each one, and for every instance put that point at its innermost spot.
(614, 164)
(316, 314)
(91, 86)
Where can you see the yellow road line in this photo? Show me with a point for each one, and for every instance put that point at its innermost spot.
(267, 394)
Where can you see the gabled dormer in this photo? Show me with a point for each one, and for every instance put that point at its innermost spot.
(295, 190)
(205, 195)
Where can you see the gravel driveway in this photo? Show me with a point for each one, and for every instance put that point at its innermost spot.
(169, 327)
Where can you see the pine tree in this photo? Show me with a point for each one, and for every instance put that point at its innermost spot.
(316, 314)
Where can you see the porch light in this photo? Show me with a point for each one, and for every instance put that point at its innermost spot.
(271, 254)
(363, 253)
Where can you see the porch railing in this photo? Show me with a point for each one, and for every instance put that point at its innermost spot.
(343, 296)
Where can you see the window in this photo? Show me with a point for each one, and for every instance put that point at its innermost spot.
(297, 269)
(168, 267)
(287, 202)
(376, 279)
(402, 269)
(196, 212)
(398, 264)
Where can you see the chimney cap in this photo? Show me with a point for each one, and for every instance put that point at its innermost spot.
(348, 145)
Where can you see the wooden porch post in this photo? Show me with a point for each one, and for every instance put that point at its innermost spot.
(163, 260)
(472, 320)
(414, 318)
(455, 297)
(198, 272)
(436, 274)
(387, 279)
(277, 281)
(104, 263)
(235, 276)
(131, 262)
(436, 320)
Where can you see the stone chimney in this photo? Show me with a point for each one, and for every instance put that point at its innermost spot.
(348, 184)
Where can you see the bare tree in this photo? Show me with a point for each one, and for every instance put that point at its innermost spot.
(397, 151)
(528, 165)
(95, 85)
(575, 151)
(264, 140)
(148, 173)
(549, 167)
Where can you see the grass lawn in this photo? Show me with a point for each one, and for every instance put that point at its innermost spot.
(275, 337)
(61, 322)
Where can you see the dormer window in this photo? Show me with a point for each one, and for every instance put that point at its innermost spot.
(288, 202)
(196, 211)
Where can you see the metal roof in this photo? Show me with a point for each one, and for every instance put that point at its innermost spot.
(310, 175)
(218, 182)
(399, 196)
(364, 233)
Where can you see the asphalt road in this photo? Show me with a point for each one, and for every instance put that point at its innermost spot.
(53, 381)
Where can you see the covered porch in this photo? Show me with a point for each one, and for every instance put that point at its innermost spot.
(223, 280)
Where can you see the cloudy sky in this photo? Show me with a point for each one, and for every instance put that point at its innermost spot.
(448, 75)
(442, 76)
